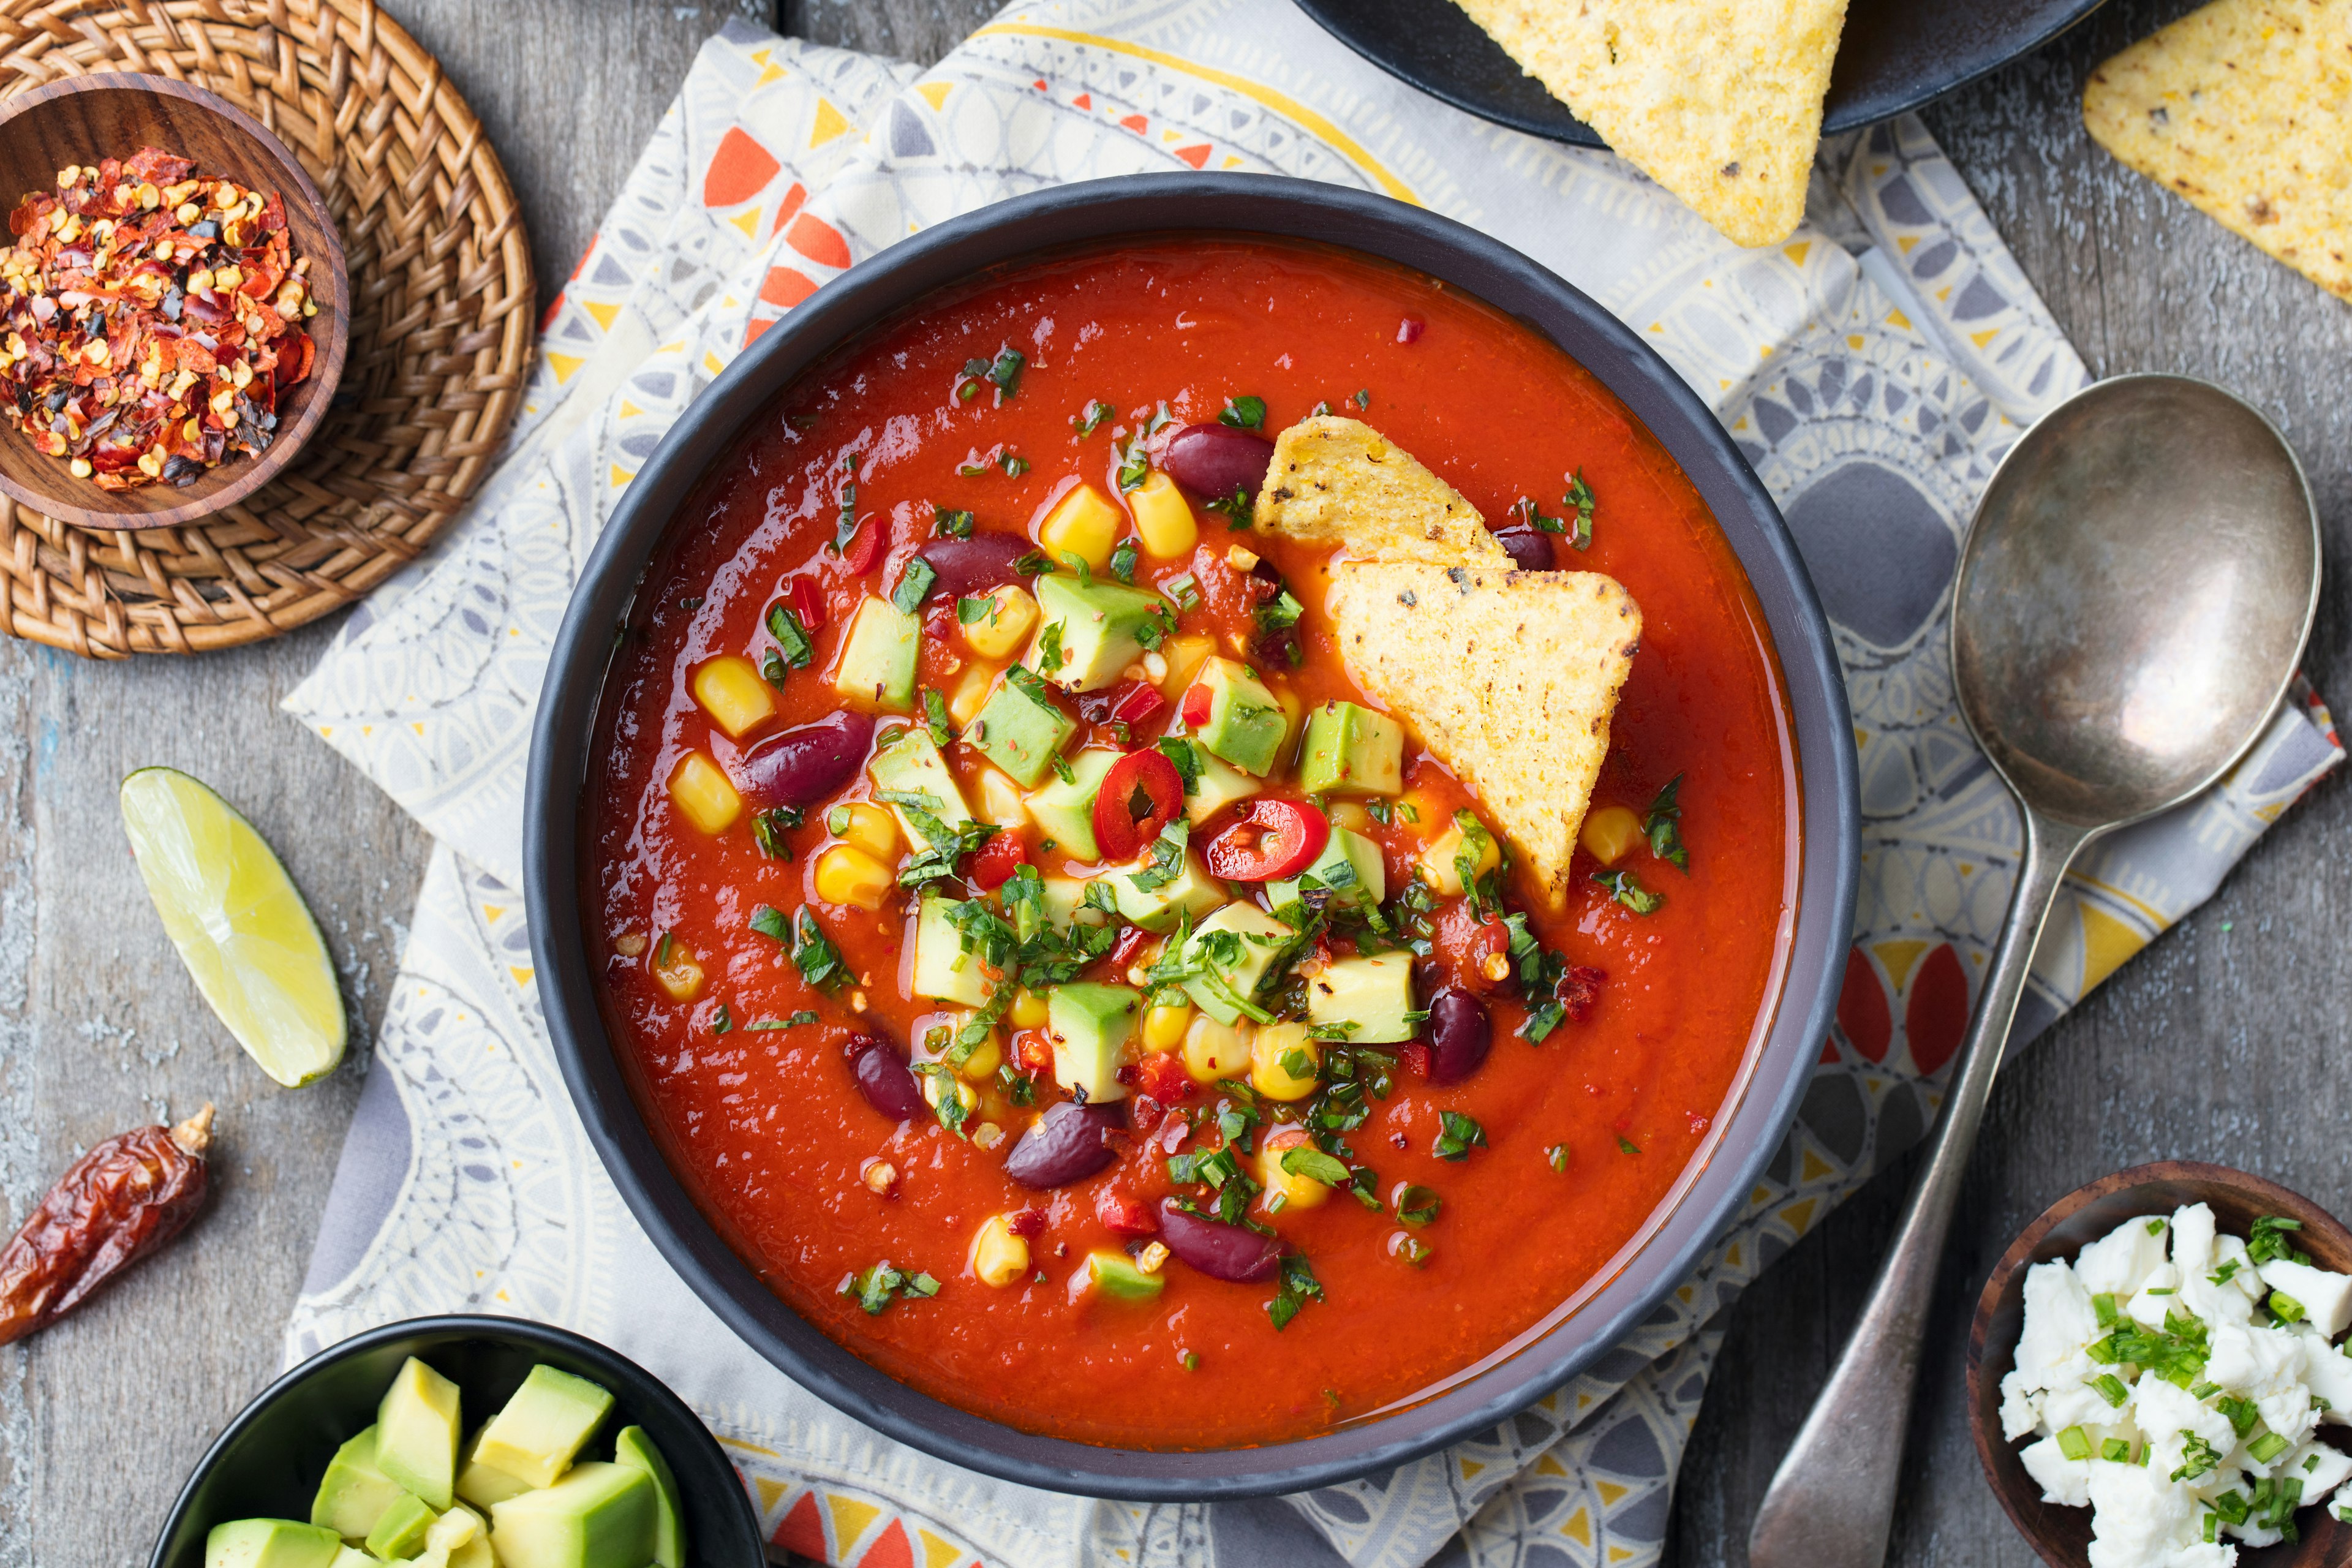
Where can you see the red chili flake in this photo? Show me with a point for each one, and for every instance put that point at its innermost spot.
(1026, 1223)
(1409, 328)
(1145, 1113)
(1578, 990)
(150, 319)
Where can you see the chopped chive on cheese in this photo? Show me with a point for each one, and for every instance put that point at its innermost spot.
(2266, 1448)
(2075, 1443)
(2111, 1389)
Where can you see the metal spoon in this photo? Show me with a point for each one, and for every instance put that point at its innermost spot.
(2133, 597)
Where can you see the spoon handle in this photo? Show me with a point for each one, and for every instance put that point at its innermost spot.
(1832, 1501)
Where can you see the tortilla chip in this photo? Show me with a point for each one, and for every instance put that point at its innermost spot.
(2244, 108)
(1718, 100)
(1339, 481)
(1509, 676)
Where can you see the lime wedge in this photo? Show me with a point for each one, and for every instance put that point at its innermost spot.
(241, 929)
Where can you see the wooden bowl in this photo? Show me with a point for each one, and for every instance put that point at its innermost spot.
(89, 117)
(2060, 1534)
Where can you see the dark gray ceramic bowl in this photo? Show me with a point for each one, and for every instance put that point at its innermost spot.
(1095, 215)
(268, 1461)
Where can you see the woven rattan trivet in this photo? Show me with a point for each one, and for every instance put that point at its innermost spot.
(441, 325)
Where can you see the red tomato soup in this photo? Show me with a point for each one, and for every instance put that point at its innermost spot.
(1250, 1229)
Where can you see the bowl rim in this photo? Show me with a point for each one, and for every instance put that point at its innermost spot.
(1982, 1392)
(1092, 214)
(443, 1326)
(326, 374)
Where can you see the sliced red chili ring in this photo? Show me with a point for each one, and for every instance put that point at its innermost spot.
(1277, 839)
(1140, 794)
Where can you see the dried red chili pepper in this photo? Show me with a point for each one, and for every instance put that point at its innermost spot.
(150, 319)
(120, 1202)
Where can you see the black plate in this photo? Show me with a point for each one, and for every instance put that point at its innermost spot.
(268, 1462)
(1895, 56)
(558, 881)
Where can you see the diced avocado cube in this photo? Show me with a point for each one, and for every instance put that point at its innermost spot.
(1214, 785)
(1090, 1026)
(355, 1492)
(877, 668)
(1349, 867)
(1115, 1275)
(546, 1421)
(944, 972)
(1373, 993)
(454, 1533)
(1065, 903)
(598, 1516)
(1160, 909)
(1351, 749)
(270, 1543)
(1087, 633)
(1258, 940)
(1064, 810)
(480, 1484)
(1020, 730)
(1245, 723)
(352, 1557)
(416, 1433)
(400, 1533)
(911, 769)
(633, 1447)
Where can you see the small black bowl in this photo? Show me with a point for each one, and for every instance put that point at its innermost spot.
(269, 1462)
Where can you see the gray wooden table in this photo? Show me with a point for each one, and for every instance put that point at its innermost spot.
(2221, 1042)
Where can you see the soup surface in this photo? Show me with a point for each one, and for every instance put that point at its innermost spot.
(854, 1097)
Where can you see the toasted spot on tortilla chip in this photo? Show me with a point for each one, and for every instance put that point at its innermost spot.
(2246, 109)
(1335, 481)
(1509, 676)
(1718, 100)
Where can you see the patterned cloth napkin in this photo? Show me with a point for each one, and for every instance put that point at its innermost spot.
(1873, 369)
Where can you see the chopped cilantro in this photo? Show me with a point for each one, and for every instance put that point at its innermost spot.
(1299, 1287)
(914, 586)
(1134, 465)
(769, 827)
(819, 961)
(1416, 1206)
(1244, 413)
(1623, 888)
(1457, 1135)
(876, 1287)
(1579, 498)
(720, 1019)
(1089, 420)
(845, 528)
(793, 644)
(1662, 827)
(1122, 561)
(950, 523)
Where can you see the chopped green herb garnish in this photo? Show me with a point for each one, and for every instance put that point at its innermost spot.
(793, 644)
(935, 717)
(1314, 1164)
(876, 1287)
(769, 922)
(1244, 413)
(2075, 1443)
(1134, 466)
(2156, 1227)
(1122, 561)
(1240, 509)
(819, 961)
(2111, 1388)
(1457, 1135)
(2103, 1307)
(795, 1021)
(1089, 420)
(2285, 1307)
(1626, 1145)
(1627, 891)
(1299, 1287)
(1579, 498)
(950, 523)
(2115, 1451)
(2198, 1457)
(769, 827)
(1183, 590)
(1416, 1206)
(1190, 1361)
(2268, 1240)
(720, 1019)
(2267, 1446)
(914, 586)
(2243, 1413)
(1557, 1157)
(1363, 399)
(1662, 827)
(1167, 858)
(845, 528)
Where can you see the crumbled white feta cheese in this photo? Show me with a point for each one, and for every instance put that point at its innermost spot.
(2325, 1298)
(2138, 1517)
(2230, 1249)
(2320, 1467)
(2119, 1262)
(2061, 1479)
(2327, 1372)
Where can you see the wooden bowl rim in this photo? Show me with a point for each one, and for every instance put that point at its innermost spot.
(326, 374)
(1982, 1396)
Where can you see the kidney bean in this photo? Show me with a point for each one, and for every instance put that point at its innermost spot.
(975, 566)
(1459, 1035)
(1071, 1143)
(805, 766)
(1220, 1250)
(886, 1081)
(1215, 460)
(1529, 548)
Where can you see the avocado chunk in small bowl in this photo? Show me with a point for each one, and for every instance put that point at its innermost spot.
(418, 1441)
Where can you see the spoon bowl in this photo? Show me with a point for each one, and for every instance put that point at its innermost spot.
(2131, 602)
(2133, 598)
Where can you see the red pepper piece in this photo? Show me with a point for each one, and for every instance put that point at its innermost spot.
(1026, 1224)
(1140, 794)
(1195, 710)
(1161, 1076)
(1125, 1216)
(993, 863)
(1415, 1058)
(807, 601)
(865, 549)
(120, 1202)
(1278, 838)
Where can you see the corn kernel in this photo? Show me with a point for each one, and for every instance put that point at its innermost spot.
(1028, 1010)
(703, 793)
(880, 1177)
(1283, 1061)
(1165, 1026)
(999, 632)
(1082, 523)
(971, 694)
(1297, 1191)
(676, 970)
(1241, 558)
(867, 827)
(1163, 518)
(982, 1065)
(1611, 833)
(998, 1257)
(1214, 1050)
(998, 800)
(1184, 658)
(729, 689)
(1152, 1259)
(630, 944)
(846, 874)
(1353, 814)
(1438, 867)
